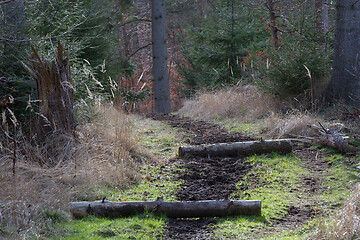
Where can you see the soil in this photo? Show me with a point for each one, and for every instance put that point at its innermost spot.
(201, 132)
(216, 178)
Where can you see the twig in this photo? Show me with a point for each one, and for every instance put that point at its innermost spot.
(139, 49)
(5, 2)
(46, 38)
(326, 131)
(14, 154)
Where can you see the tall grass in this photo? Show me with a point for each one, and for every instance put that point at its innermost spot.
(64, 169)
(246, 103)
(345, 225)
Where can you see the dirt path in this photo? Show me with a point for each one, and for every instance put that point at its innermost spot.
(216, 178)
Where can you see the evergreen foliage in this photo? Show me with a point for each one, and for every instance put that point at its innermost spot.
(215, 49)
(301, 63)
(87, 31)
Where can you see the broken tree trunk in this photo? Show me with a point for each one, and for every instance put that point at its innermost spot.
(186, 209)
(334, 139)
(237, 148)
(55, 94)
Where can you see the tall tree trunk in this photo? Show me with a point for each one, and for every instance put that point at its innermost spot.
(159, 48)
(13, 21)
(322, 16)
(345, 81)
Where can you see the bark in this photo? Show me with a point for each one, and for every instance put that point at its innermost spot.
(334, 140)
(186, 209)
(322, 16)
(55, 94)
(237, 149)
(14, 28)
(160, 58)
(345, 81)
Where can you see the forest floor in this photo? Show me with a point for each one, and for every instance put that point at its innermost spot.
(299, 191)
(217, 178)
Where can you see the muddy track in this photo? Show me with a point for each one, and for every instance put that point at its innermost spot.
(216, 178)
(204, 178)
(201, 132)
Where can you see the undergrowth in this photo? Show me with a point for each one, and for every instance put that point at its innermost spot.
(100, 155)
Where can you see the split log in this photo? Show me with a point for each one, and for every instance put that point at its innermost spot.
(185, 209)
(333, 139)
(237, 148)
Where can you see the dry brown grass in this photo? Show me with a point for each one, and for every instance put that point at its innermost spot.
(346, 225)
(291, 124)
(246, 103)
(65, 168)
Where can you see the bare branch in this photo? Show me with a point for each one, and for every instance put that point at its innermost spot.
(139, 49)
(46, 38)
(5, 2)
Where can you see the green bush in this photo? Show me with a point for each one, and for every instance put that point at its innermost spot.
(215, 49)
(288, 73)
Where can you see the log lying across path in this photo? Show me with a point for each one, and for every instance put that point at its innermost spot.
(237, 148)
(185, 209)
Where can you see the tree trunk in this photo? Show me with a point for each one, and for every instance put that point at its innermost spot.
(322, 16)
(345, 81)
(160, 68)
(237, 149)
(13, 22)
(55, 94)
(186, 209)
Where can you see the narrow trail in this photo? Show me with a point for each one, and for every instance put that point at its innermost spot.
(216, 178)
(204, 178)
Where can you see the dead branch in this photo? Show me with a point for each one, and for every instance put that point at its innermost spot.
(14, 153)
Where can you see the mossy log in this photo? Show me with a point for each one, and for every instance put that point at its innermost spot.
(237, 148)
(184, 209)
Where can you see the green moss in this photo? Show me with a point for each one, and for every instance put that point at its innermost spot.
(158, 138)
(146, 226)
(270, 180)
(249, 128)
(157, 181)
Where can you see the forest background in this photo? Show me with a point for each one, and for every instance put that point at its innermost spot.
(252, 59)
(284, 48)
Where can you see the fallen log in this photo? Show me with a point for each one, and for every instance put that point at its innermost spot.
(185, 209)
(334, 139)
(237, 148)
